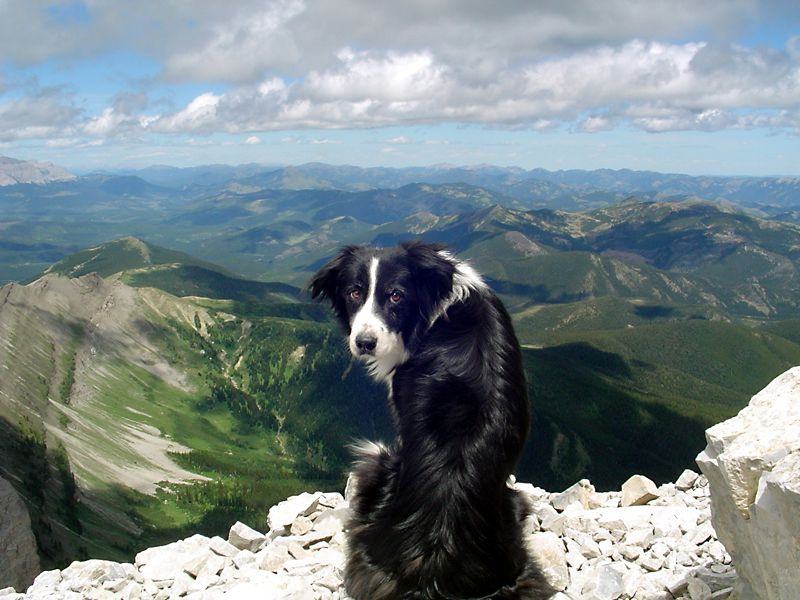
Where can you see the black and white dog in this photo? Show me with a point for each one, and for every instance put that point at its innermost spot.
(433, 517)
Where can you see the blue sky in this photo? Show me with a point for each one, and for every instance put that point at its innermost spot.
(697, 87)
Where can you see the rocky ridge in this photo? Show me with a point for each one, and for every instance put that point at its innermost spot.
(13, 171)
(642, 543)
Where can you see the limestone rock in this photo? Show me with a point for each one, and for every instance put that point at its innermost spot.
(19, 560)
(281, 516)
(245, 538)
(752, 463)
(580, 492)
(593, 549)
(638, 490)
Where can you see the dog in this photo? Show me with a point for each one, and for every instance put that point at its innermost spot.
(432, 515)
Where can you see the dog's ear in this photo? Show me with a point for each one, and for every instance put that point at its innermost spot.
(433, 271)
(325, 282)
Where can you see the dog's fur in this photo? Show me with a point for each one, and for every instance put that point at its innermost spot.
(433, 517)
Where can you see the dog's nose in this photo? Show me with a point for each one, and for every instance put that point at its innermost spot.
(366, 343)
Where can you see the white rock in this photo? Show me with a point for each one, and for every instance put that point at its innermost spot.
(650, 562)
(46, 579)
(608, 583)
(548, 550)
(580, 492)
(223, 547)
(332, 520)
(282, 515)
(686, 480)
(161, 563)
(245, 537)
(638, 490)
(273, 557)
(639, 537)
(752, 463)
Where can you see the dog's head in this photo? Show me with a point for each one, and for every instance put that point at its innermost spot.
(385, 298)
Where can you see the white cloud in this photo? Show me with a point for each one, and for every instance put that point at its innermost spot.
(252, 140)
(328, 65)
(651, 85)
(400, 139)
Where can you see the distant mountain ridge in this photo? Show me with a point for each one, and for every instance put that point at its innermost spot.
(567, 188)
(14, 171)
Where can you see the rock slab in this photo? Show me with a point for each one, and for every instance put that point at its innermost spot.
(752, 463)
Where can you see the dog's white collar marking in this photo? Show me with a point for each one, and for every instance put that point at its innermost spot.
(389, 350)
(465, 280)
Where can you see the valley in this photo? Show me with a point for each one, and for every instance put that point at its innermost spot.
(163, 371)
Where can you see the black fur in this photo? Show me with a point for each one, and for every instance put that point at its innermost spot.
(433, 518)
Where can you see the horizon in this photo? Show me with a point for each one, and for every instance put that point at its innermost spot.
(81, 172)
(680, 87)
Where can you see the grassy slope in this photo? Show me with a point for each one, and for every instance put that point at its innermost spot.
(611, 403)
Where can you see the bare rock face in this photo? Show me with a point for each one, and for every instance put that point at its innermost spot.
(752, 463)
(19, 561)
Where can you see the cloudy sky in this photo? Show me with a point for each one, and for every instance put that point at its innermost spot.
(696, 86)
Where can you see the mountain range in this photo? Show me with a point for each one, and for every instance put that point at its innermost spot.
(164, 372)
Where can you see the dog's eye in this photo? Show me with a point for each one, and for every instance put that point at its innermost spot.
(355, 294)
(396, 296)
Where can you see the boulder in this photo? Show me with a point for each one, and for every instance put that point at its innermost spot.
(282, 516)
(579, 492)
(19, 560)
(244, 537)
(752, 463)
(638, 490)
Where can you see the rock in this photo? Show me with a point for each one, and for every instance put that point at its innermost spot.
(638, 490)
(580, 492)
(686, 480)
(752, 463)
(332, 520)
(548, 550)
(698, 590)
(20, 559)
(273, 557)
(222, 547)
(595, 550)
(608, 583)
(281, 516)
(301, 526)
(163, 563)
(245, 538)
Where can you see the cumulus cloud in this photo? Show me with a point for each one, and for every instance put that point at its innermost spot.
(205, 39)
(303, 64)
(651, 85)
(42, 113)
(252, 140)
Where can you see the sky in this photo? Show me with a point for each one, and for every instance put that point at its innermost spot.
(691, 86)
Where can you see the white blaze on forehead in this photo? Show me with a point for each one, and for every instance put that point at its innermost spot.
(366, 321)
(389, 348)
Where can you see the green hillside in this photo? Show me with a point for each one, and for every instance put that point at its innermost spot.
(122, 255)
(137, 393)
(637, 400)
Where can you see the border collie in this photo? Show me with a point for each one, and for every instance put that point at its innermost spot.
(432, 516)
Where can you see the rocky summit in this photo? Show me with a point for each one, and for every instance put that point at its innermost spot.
(591, 545)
